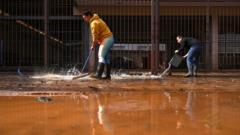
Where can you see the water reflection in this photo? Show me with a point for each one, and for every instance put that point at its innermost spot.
(123, 113)
(189, 105)
(97, 114)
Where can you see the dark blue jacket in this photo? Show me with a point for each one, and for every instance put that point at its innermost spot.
(188, 42)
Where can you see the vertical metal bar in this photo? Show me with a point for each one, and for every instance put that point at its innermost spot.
(40, 46)
(46, 15)
(188, 21)
(60, 31)
(70, 31)
(56, 25)
(1, 48)
(224, 23)
(2, 35)
(18, 47)
(31, 41)
(153, 36)
(70, 39)
(234, 38)
(1, 42)
(6, 37)
(238, 39)
(17, 56)
(64, 50)
(117, 24)
(214, 42)
(149, 40)
(227, 37)
(11, 34)
(11, 41)
(137, 30)
(50, 31)
(157, 38)
(128, 32)
(171, 46)
(8, 24)
(193, 22)
(199, 31)
(207, 44)
(136, 34)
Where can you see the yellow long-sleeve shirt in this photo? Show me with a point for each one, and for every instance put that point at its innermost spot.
(99, 29)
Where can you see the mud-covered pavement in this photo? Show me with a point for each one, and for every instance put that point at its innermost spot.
(14, 84)
(209, 105)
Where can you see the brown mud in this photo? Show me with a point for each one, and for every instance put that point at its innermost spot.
(207, 105)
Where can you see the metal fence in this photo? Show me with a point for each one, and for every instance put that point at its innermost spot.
(215, 24)
(24, 45)
(229, 41)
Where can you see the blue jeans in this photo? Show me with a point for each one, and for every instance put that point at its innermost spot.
(104, 49)
(193, 58)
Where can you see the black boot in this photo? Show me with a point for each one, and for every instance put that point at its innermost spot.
(108, 72)
(100, 69)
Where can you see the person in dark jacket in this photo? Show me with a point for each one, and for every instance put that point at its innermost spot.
(192, 56)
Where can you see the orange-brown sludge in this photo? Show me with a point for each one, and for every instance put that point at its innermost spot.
(175, 105)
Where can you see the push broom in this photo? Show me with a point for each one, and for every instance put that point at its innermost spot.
(175, 61)
(84, 66)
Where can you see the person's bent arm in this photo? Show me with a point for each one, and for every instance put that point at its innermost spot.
(185, 56)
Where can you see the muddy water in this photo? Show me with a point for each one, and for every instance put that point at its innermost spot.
(123, 113)
(207, 105)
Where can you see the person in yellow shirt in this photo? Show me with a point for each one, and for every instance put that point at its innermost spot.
(102, 36)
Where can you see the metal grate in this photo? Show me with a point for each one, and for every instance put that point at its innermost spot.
(21, 45)
(229, 41)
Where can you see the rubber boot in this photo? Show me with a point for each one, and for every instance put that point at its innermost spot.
(195, 68)
(99, 73)
(190, 72)
(108, 72)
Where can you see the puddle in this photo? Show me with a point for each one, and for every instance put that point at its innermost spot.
(122, 113)
(129, 104)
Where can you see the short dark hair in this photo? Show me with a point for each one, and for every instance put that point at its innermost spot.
(180, 36)
(87, 13)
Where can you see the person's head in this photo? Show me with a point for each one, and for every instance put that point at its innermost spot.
(179, 38)
(87, 15)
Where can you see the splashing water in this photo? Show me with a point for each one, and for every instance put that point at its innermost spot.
(142, 76)
(115, 76)
(73, 71)
(49, 76)
(63, 75)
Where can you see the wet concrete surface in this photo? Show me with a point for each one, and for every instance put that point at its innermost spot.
(13, 84)
(207, 105)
